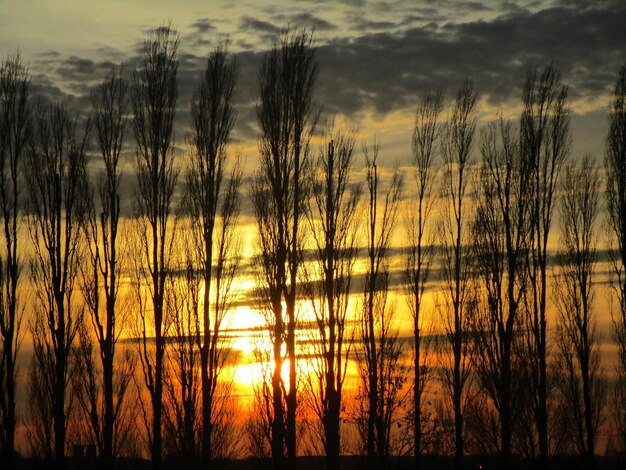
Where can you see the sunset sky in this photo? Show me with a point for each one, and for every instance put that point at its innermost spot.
(375, 57)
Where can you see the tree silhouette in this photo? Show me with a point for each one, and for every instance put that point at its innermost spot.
(331, 216)
(381, 374)
(56, 178)
(583, 382)
(456, 148)
(182, 381)
(514, 388)
(286, 79)
(425, 141)
(258, 426)
(615, 164)
(501, 233)
(154, 97)
(101, 275)
(15, 132)
(89, 401)
(213, 205)
(545, 141)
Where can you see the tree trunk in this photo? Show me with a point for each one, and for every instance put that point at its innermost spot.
(278, 438)
(10, 417)
(505, 407)
(291, 394)
(331, 429)
(206, 405)
(542, 412)
(59, 404)
(458, 416)
(589, 432)
(417, 399)
(107, 372)
(157, 403)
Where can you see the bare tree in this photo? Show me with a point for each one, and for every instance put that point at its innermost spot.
(57, 183)
(258, 426)
(545, 142)
(154, 99)
(615, 164)
(501, 233)
(101, 276)
(285, 115)
(331, 216)
(380, 371)
(213, 206)
(456, 149)
(15, 132)
(88, 396)
(40, 395)
(419, 253)
(583, 384)
(182, 382)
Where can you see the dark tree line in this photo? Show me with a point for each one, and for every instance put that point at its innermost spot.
(511, 380)
(381, 374)
(615, 164)
(287, 119)
(15, 133)
(332, 216)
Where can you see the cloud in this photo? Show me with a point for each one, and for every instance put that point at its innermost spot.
(387, 70)
(307, 20)
(260, 26)
(76, 67)
(203, 25)
(369, 25)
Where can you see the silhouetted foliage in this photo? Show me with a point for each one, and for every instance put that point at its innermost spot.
(15, 132)
(545, 142)
(213, 206)
(258, 426)
(456, 149)
(513, 392)
(615, 164)
(88, 395)
(419, 254)
(102, 398)
(331, 216)
(581, 379)
(57, 183)
(501, 235)
(285, 114)
(381, 373)
(154, 96)
(181, 417)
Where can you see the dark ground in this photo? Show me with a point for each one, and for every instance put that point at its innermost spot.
(617, 462)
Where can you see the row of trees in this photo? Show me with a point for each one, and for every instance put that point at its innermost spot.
(75, 225)
(485, 233)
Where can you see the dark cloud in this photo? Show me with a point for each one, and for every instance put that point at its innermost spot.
(473, 6)
(260, 26)
(307, 20)
(49, 55)
(42, 87)
(590, 3)
(354, 3)
(386, 70)
(368, 25)
(76, 66)
(203, 25)
(203, 33)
